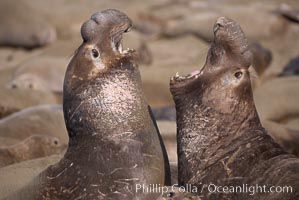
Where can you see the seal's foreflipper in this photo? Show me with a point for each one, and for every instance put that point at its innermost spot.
(165, 155)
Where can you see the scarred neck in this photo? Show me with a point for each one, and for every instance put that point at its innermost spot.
(202, 131)
(108, 104)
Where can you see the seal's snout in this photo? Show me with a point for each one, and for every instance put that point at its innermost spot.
(223, 21)
(112, 17)
(229, 35)
(227, 25)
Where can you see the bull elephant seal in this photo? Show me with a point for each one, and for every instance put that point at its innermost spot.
(221, 141)
(114, 146)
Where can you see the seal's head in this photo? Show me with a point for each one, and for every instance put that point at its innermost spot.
(223, 83)
(102, 46)
(45, 145)
(105, 28)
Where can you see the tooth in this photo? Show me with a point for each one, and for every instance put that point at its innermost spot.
(120, 48)
(177, 75)
(113, 46)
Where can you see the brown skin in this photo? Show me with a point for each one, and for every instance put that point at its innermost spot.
(113, 141)
(35, 146)
(220, 137)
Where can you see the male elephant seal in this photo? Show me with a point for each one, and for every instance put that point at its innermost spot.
(114, 146)
(221, 141)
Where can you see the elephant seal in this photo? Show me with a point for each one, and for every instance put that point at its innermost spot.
(12, 101)
(221, 141)
(43, 73)
(35, 146)
(261, 58)
(114, 146)
(35, 120)
(23, 26)
(289, 13)
(291, 69)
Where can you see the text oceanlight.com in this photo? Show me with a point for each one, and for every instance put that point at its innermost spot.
(213, 188)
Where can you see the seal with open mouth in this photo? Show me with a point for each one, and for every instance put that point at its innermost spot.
(114, 146)
(221, 141)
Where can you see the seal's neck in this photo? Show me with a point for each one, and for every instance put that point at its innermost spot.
(108, 106)
(202, 131)
(204, 120)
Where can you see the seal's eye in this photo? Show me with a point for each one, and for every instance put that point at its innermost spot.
(55, 142)
(238, 75)
(95, 53)
(96, 59)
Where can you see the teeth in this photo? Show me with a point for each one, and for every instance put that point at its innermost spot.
(126, 51)
(117, 47)
(178, 78)
(113, 46)
(120, 48)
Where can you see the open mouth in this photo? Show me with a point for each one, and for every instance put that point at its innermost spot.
(185, 79)
(181, 84)
(117, 43)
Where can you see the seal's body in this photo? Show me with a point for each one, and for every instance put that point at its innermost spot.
(114, 146)
(220, 138)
